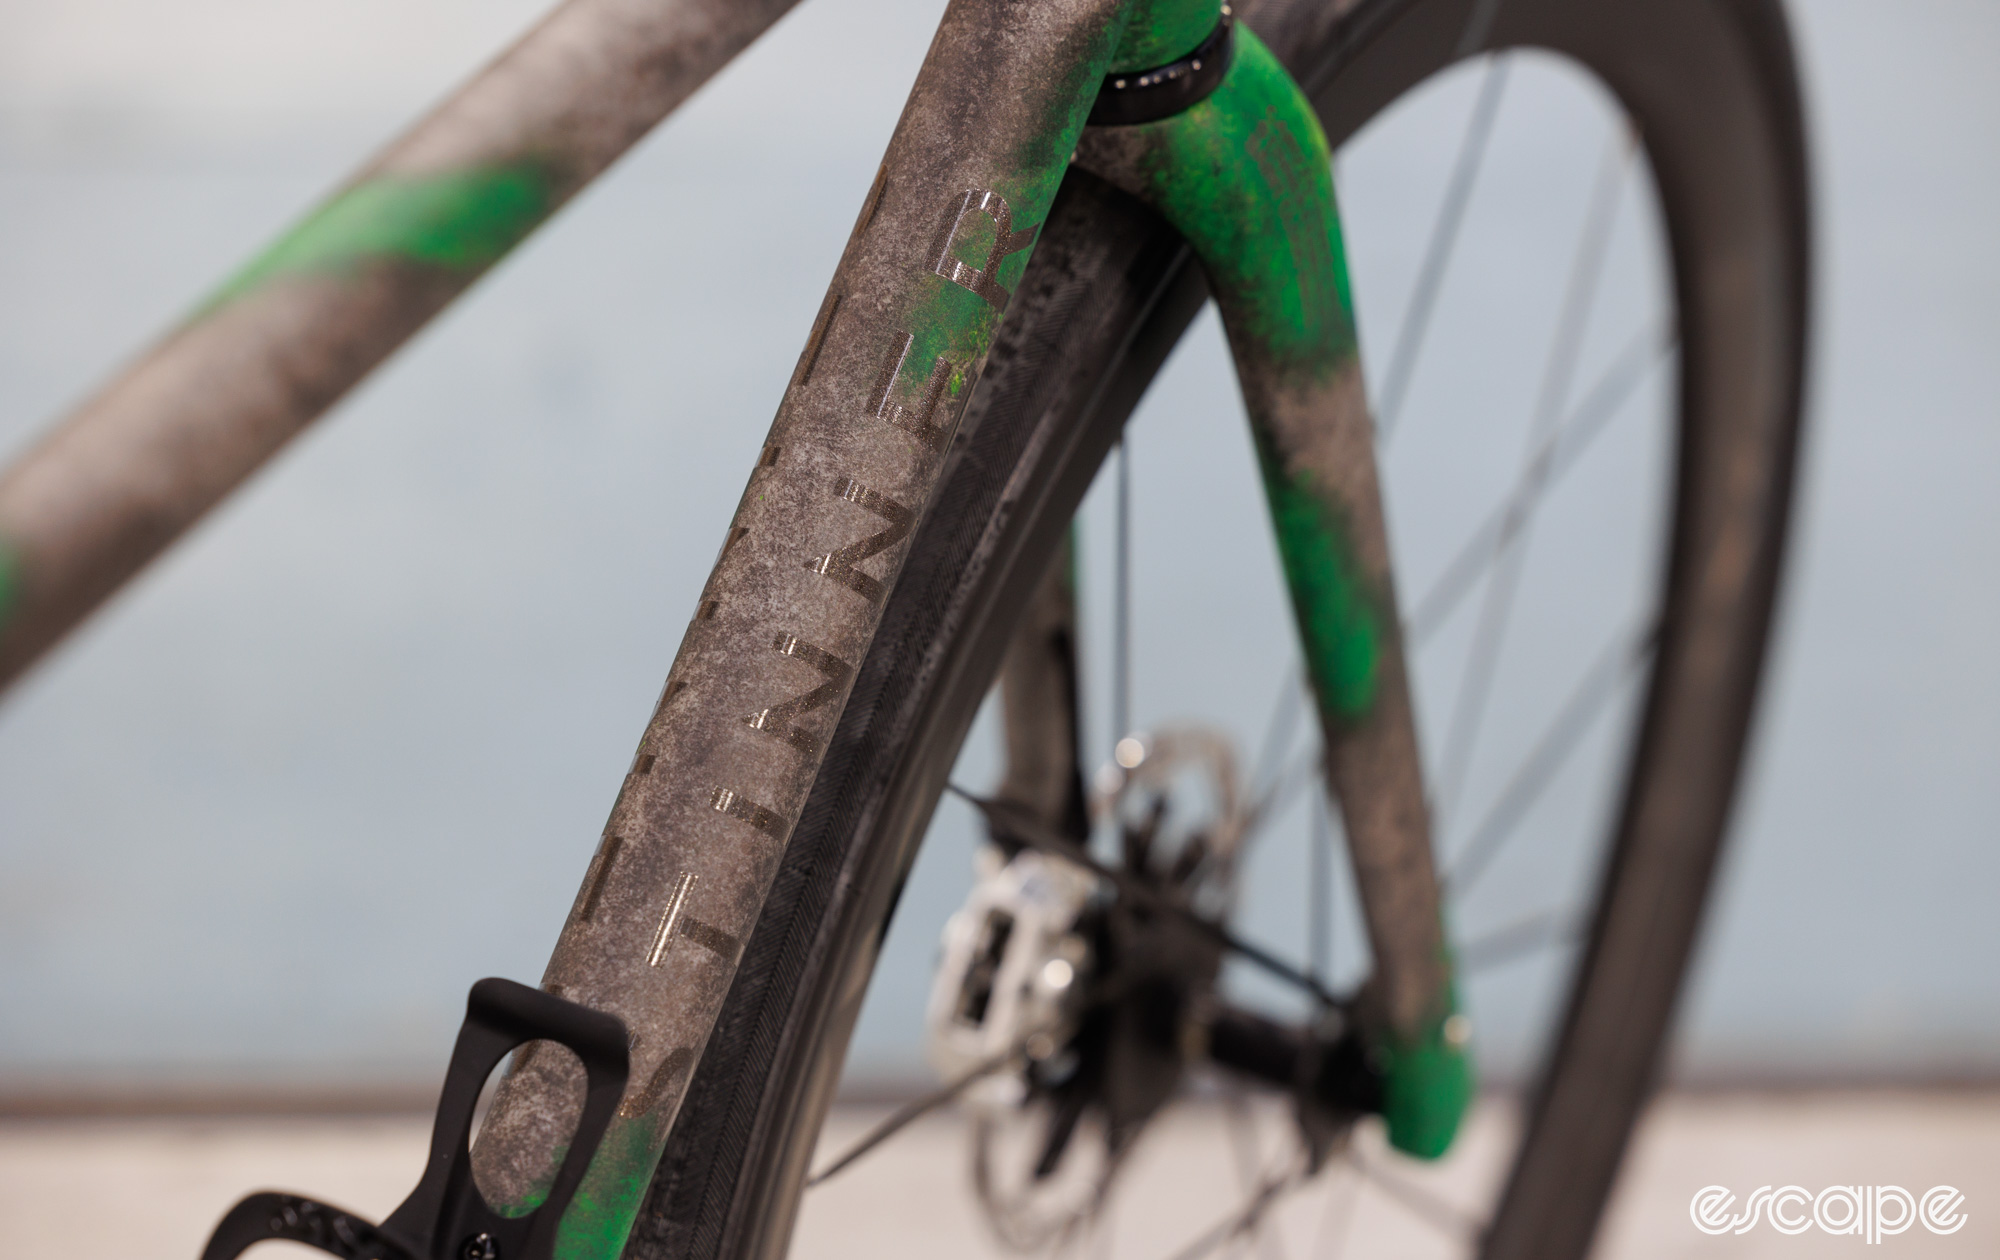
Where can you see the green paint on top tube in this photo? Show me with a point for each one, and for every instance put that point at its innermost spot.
(461, 221)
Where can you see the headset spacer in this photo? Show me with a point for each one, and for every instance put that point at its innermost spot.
(1144, 96)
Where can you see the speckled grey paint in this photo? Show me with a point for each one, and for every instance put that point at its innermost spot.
(714, 794)
(135, 466)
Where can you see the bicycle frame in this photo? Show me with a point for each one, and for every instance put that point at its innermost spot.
(852, 458)
(134, 467)
(993, 122)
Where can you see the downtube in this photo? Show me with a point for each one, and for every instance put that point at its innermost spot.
(851, 461)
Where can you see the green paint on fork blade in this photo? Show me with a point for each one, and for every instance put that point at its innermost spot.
(1426, 1086)
(1245, 175)
(10, 582)
(1272, 243)
(1268, 233)
(1331, 599)
(459, 221)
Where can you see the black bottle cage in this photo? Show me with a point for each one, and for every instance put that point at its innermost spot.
(445, 1217)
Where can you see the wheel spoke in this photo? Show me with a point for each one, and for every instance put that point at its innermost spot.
(1246, 1218)
(1527, 935)
(1600, 684)
(1441, 1214)
(1475, 687)
(1319, 893)
(1303, 770)
(910, 1111)
(1603, 403)
(1279, 731)
(1243, 1142)
(1242, 1137)
(1477, 23)
(1121, 610)
(1437, 251)
(1330, 1235)
(1078, 1234)
(1018, 825)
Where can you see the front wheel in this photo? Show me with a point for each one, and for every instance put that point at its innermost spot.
(1709, 89)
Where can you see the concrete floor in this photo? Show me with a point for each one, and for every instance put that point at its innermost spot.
(136, 1189)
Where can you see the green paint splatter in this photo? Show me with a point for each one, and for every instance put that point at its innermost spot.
(1331, 597)
(1268, 232)
(1164, 31)
(460, 221)
(1426, 1088)
(601, 1215)
(943, 319)
(950, 320)
(10, 582)
(1271, 244)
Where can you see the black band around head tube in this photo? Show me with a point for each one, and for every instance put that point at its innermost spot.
(1143, 96)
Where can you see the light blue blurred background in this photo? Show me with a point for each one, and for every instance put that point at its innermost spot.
(348, 747)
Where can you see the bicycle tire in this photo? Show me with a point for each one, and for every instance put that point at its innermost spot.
(1711, 87)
